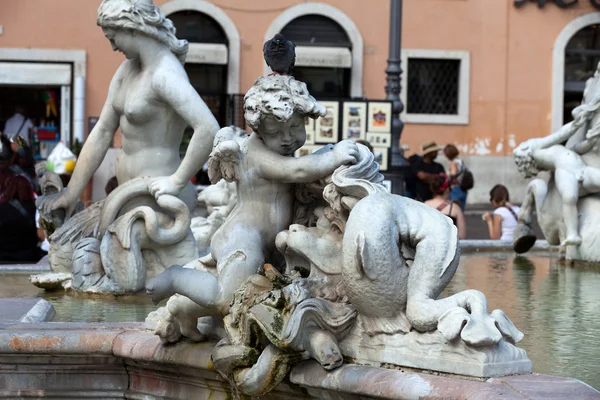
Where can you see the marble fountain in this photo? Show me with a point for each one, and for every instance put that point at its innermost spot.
(289, 277)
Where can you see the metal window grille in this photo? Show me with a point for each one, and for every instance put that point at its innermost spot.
(235, 111)
(432, 86)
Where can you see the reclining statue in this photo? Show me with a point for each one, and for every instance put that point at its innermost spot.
(144, 225)
(566, 205)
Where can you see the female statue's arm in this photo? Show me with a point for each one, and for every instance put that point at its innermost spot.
(91, 156)
(174, 89)
(98, 142)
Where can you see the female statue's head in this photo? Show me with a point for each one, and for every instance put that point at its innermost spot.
(140, 16)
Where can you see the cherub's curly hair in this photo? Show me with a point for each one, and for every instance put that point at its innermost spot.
(525, 161)
(144, 17)
(279, 96)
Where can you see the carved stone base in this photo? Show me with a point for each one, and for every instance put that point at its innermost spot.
(430, 351)
(52, 280)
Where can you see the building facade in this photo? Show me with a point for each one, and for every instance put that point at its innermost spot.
(481, 74)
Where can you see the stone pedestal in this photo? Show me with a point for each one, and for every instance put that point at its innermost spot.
(430, 351)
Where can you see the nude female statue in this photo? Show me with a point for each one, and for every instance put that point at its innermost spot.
(151, 100)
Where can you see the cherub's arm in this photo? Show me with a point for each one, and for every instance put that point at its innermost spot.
(309, 168)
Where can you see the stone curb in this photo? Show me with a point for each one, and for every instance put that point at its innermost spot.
(143, 351)
(31, 268)
(391, 384)
(474, 246)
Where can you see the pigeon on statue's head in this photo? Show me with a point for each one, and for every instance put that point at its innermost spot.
(280, 54)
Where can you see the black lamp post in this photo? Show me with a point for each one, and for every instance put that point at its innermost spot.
(398, 163)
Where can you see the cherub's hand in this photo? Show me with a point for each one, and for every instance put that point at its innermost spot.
(345, 152)
(165, 185)
(57, 203)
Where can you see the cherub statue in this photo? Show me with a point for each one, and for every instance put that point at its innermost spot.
(266, 172)
(562, 153)
(372, 268)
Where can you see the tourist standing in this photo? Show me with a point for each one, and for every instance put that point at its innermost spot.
(456, 172)
(426, 170)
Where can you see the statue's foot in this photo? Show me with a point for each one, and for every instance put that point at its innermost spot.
(167, 332)
(161, 286)
(524, 238)
(189, 329)
(572, 241)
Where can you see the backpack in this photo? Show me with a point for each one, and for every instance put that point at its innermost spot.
(467, 182)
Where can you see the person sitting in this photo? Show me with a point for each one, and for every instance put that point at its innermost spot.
(440, 187)
(426, 171)
(456, 170)
(502, 222)
(18, 231)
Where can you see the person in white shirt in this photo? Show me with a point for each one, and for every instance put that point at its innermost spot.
(18, 124)
(503, 221)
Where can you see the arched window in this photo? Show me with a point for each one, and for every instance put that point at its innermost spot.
(197, 27)
(206, 65)
(326, 73)
(582, 55)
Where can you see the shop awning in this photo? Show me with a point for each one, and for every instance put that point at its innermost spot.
(16, 73)
(309, 56)
(207, 53)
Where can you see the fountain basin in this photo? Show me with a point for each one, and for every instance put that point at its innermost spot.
(553, 304)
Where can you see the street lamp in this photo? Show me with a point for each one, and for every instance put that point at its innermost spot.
(398, 164)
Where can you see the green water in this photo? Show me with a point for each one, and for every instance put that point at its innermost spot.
(556, 306)
(74, 307)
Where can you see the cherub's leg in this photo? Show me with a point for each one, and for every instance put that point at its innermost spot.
(568, 187)
(186, 313)
(200, 286)
(591, 179)
(239, 258)
(236, 265)
(524, 237)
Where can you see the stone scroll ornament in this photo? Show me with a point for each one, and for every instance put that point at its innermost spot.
(567, 204)
(355, 270)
